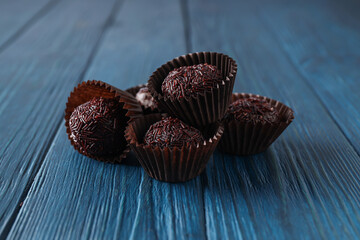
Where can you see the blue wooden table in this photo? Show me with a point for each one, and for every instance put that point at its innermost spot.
(304, 53)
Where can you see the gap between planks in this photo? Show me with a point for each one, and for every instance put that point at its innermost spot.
(109, 21)
(306, 81)
(37, 16)
(184, 4)
(185, 14)
(89, 73)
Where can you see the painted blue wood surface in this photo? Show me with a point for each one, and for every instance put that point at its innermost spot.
(324, 47)
(302, 183)
(126, 207)
(37, 73)
(305, 186)
(18, 16)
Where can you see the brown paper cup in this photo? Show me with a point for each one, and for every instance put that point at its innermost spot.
(245, 138)
(171, 164)
(146, 110)
(84, 92)
(204, 108)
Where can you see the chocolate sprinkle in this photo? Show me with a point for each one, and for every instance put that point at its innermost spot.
(188, 80)
(171, 132)
(252, 110)
(97, 127)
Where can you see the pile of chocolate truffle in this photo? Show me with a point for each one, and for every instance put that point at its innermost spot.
(175, 122)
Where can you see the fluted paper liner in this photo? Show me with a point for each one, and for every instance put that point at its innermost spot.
(245, 138)
(204, 108)
(84, 92)
(171, 164)
(146, 110)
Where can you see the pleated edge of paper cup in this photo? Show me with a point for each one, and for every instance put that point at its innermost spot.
(180, 108)
(287, 114)
(130, 104)
(131, 137)
(182, 61)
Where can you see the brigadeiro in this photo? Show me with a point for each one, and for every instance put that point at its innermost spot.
(143, 96)
(169, 149)
(171, 132)
(187, 81)
(254, 110)
(97, 127)
(195, 88)
(96, 116)
(252, 123)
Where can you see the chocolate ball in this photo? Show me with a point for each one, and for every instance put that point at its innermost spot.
(171, 132)
(145, 99)
(253, 110)
(97, 127)
(187, 81)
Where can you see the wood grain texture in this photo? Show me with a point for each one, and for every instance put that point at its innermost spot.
(324, 48)
(17, 16)
(98, 200)
(306, 184)
(38, 71)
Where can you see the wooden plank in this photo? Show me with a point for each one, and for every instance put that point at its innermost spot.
(324, 47)
(283, 193)
(306, 185)
(17, 16)
(38, 72)
(76, 197)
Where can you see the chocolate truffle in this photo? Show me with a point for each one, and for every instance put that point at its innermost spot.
(97, 127)
(171, 132)
(254, 110)
(145, 99)
(186, 81)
